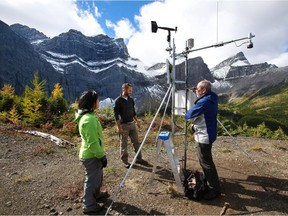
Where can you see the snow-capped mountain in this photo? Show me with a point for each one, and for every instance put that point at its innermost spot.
(33, 35)
(233, 69)
(238, 66)
(79, 63)
(76, 62)
(221, 70)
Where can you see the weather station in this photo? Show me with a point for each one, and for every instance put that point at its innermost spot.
(182, 100)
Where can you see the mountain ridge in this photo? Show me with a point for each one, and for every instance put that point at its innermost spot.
(79, 63)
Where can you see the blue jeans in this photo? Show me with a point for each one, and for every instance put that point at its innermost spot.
(92, 183)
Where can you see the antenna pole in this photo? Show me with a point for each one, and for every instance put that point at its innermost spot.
(217, 24)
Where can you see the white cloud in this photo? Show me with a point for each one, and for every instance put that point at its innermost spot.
(87, 24)
(123, 29)
(52, 17)
(97, 13)
(194, 18)
(198, 19)
(281, 60)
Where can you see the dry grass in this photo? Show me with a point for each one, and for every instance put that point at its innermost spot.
(24, 179)
(43, 149)
(256, 147)
(72, 191)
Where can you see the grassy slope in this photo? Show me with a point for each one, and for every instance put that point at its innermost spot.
(269, 105)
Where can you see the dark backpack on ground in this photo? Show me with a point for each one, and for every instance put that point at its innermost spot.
(195, 185)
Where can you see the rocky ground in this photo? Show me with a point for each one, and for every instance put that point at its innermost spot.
(38, 177)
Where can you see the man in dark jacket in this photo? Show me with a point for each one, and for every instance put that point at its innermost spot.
(203, 116)
(127, 124)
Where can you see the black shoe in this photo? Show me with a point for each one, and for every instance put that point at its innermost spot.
(212, 194)
(102, 196)
(126, 164)
(142, 162)
(94, 211)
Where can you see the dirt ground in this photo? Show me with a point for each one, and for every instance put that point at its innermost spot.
(39, 178)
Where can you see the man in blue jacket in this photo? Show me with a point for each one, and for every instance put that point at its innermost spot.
(203, 116)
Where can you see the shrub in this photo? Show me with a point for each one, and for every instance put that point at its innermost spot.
(23, 179)
(43, 149)
(8, 99)
(46, 126)
(244, 130)
(279, 134)
(70, 128)
(14, 117)
(106, 116)
(262, 131)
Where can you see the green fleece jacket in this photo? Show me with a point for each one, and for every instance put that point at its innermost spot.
(90, 130)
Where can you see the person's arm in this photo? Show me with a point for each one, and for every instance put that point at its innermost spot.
(198, 109)
(92, 131)
(119, 127)
(135, 116)
(116, 115)
(136, 121)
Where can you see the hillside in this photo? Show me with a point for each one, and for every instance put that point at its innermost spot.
(268, 105)
(38, 178)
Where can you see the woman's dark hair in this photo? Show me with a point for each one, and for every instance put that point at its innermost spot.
(87, 100)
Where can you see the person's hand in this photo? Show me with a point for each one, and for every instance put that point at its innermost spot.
(191, 127)
(104, 161)
(137, 124)
(120, 130)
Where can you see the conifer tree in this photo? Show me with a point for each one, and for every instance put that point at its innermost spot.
(7, 97)
(58, 104)
(35, 102)
(14, 117)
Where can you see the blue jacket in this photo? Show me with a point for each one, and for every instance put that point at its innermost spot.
(203, 116)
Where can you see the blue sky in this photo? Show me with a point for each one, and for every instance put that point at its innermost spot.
(197, 19)
(113, 10)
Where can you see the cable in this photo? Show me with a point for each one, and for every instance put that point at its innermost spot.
(254, 161)
(236, 143)
(240, 44)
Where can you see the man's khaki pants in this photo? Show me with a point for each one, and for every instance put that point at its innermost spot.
(130, 130)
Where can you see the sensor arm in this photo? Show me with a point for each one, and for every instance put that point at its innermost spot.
(220, 44)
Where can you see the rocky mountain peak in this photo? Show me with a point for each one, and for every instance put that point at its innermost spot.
(234, 63)
(239, 57)
(237, 60)
(99, 48)
(72, 34)
(102, 63)
(33, 35)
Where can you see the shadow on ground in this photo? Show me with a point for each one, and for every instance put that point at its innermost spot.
(127, 209)
(255, 194)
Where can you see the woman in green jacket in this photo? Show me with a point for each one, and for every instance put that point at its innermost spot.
(92, 153)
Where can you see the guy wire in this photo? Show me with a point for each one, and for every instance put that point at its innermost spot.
(237, 144)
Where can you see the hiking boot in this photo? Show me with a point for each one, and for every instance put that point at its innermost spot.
(142, 162)
(211, 194)
(126, 164)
